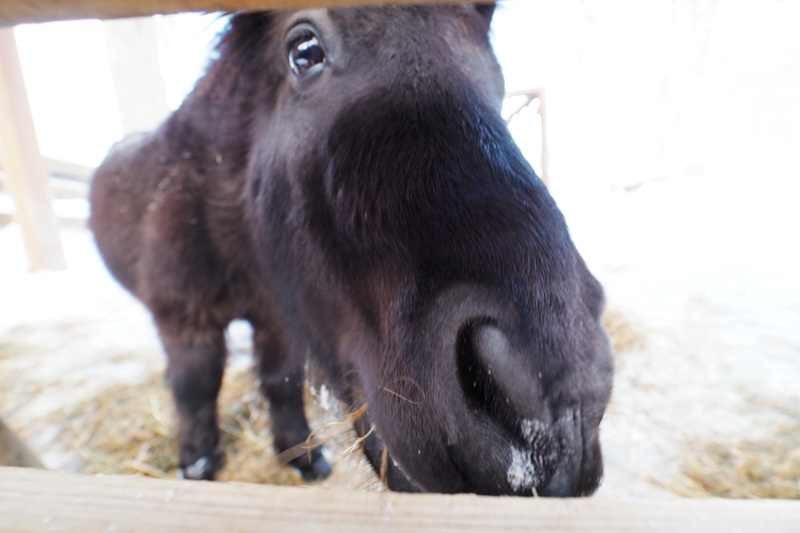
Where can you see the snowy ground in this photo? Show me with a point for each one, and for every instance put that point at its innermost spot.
(707, 270)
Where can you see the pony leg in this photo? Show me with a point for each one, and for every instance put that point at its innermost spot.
(282, 383)
(196, 362)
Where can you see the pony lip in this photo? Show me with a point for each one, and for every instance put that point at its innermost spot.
(397, 479)
(389, 471)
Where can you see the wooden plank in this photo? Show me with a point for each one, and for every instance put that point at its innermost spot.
(132, 46)
(20, 11)
(60, 167)
(24, 164)
(13, 451)
(536, 94)
(33, 500)
(70, 169)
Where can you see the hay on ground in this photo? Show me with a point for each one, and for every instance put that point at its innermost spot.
(624, 336)
(758, 468)
(132, 430)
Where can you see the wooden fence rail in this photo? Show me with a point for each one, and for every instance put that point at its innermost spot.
(34, 500)
(19, 11)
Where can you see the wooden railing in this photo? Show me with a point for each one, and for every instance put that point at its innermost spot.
(36, 500)
(19, 11)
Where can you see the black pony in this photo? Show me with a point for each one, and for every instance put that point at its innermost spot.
(343, 180)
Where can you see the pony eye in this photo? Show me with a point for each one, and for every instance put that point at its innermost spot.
(306, 55)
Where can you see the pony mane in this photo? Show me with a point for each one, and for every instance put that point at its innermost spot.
(216, 117)
(238, 54)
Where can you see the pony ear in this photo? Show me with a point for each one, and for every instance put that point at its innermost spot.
(486, 10)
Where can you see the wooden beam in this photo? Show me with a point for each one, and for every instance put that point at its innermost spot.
(20, 11)
(33, 500)
(531, 95)
(13, 451)
(132, 46)
(24, 164)
(60, 167)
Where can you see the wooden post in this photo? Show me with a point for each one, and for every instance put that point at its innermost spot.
(12, 450)
(545, 153)
(132, 46)
(531, 95)
(24, 164)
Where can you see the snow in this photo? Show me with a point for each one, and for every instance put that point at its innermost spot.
(521, 472)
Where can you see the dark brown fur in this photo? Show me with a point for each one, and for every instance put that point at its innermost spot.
(378, 217)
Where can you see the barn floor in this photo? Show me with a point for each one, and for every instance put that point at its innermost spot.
(711, 287)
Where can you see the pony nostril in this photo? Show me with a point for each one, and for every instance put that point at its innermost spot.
(493, 374)
(475, 379)
(481, 375)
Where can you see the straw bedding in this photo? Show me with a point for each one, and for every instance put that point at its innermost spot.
(131, 430)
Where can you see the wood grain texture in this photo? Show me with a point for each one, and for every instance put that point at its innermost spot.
(24, 164)
(19, 11)
(34, 500)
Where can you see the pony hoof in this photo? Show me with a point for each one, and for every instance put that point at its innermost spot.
(318, 468)
(202, 469)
